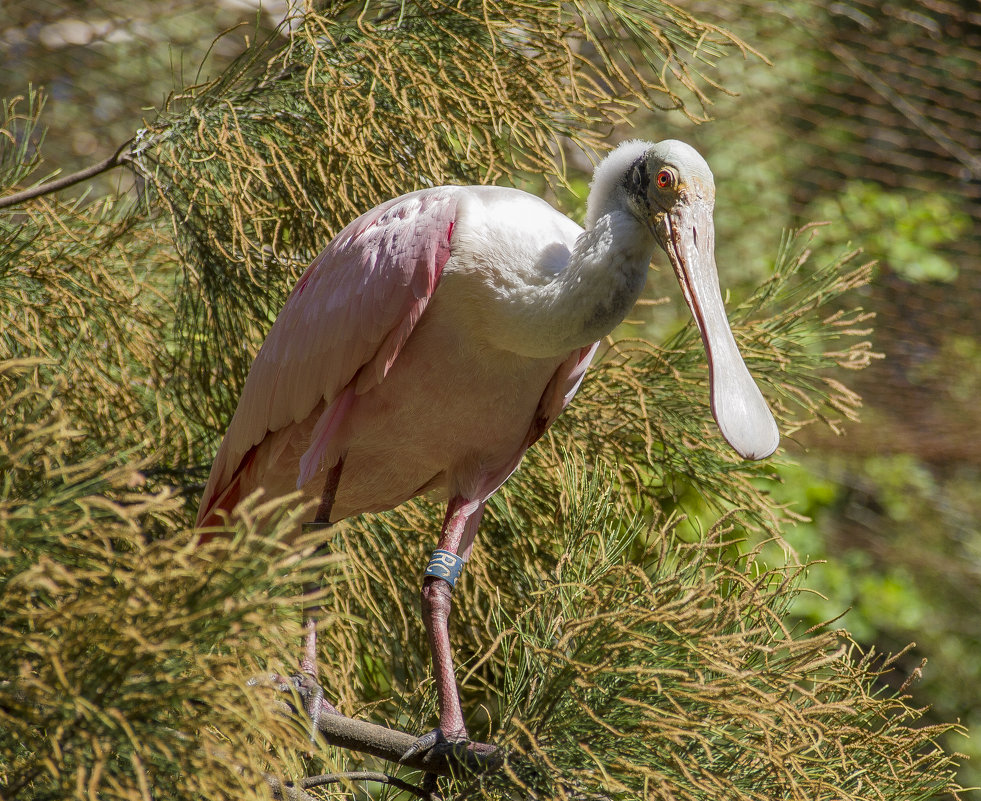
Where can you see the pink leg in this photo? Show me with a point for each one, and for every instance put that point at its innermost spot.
(317, 705)
(436, 604)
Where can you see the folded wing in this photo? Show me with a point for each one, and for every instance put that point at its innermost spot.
(341, 329)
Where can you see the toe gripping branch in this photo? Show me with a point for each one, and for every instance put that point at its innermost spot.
(445, 565)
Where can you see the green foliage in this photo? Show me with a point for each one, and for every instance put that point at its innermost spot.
(865, 100)
(81, 296)
(796, 359)
(124, 647)
(609, 672)
(19, 155)
(893, 553)
(109, 62)
(901, 230)
(588, 630)
(364, 102)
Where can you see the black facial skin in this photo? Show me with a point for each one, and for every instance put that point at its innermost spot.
(637, 178)
(649, 202)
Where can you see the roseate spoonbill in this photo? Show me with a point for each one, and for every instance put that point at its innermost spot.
(441, 333)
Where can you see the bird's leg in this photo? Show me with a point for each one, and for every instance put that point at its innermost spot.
(315, 701)
(441, 574)
(306, 681)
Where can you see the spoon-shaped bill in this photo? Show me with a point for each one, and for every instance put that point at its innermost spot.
(737, 403)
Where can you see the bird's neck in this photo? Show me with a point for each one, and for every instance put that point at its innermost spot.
(585, 301)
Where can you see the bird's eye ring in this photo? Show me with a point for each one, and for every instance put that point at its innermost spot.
(665, 179)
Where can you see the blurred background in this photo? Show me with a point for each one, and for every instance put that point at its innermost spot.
(865, 115)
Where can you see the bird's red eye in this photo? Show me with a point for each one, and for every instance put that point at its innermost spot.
(665, 179)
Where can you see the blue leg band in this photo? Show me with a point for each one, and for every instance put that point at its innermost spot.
(444, 565)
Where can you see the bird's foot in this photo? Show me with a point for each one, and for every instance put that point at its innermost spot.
(310, 694)
(307, 687)
(314, 700)
(436, 740)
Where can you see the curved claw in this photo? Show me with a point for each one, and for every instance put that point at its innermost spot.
(311, 695)
(423, 744)
(314, 701)
(434, 739)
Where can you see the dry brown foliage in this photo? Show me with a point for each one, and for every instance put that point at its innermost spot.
(609, 658)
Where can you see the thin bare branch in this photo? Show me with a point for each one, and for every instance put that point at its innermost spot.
(120, 157)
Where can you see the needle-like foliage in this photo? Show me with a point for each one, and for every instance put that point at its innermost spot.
(124, 655)
(612, 671)
(366, 101)
(610, 658)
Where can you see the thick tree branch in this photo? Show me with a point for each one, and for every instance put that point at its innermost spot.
(121, 156)
(445, 759)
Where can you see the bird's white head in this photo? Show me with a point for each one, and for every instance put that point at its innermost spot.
(669, 188)
(625, 176)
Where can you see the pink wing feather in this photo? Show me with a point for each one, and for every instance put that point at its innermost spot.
(341, 329)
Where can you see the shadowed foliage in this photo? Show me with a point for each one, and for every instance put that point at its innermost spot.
(610, 655)
(368, 101)
(122, 652)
